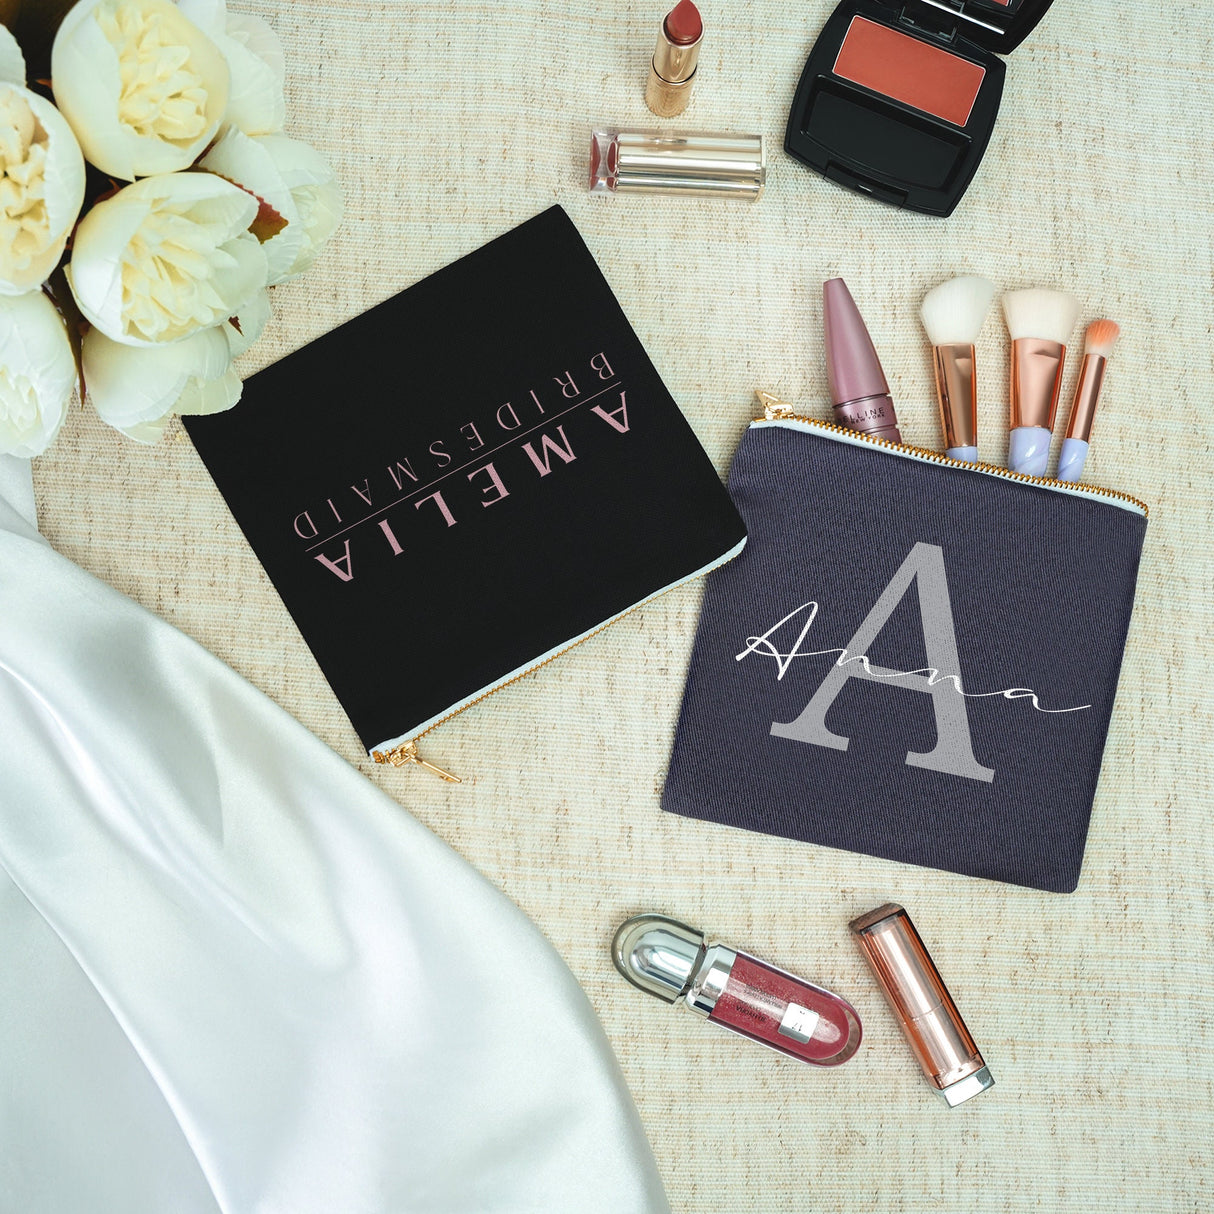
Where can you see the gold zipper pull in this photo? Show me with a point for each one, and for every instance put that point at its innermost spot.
(773, 406)
(407, 753)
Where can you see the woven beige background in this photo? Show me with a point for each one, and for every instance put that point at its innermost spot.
(448, 124)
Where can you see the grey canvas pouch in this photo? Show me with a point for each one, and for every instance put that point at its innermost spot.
(912, 658)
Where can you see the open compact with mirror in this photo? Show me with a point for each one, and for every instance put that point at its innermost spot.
(898, 100)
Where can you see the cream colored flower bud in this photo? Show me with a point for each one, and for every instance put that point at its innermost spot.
(137, 391)
(143, 88)
(166, 257)
(256, 104)
(41, 188)
(37, 373)
(296, 180)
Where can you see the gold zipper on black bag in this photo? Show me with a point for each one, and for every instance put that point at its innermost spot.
(406, 752)
(776, 410)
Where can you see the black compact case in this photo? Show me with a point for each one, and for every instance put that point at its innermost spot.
(898, 99)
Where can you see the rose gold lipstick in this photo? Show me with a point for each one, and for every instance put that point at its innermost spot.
(673, 66)
(857, 384)
(929, 1018)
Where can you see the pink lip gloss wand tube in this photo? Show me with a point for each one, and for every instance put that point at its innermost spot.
(857, 384)
(674, 962)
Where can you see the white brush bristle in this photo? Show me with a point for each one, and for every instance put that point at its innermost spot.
(1102, 335)
(954, 311)
(1039, 312)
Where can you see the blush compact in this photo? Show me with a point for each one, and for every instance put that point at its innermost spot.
(899, 97)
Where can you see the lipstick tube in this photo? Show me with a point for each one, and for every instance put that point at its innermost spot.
(674, 962)
(929, 1018)
(649, 162)
(673, 66)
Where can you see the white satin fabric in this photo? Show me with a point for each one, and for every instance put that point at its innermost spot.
(234, 976)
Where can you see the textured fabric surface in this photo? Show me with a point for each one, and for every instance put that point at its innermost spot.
(450, 123)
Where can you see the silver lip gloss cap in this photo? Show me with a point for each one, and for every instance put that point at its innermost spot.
(658, 955)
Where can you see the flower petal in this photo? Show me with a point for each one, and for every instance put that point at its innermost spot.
(244, 160)
(12, 61)
(166, 257)
(252, 319)
(136, 390)
(37, 373)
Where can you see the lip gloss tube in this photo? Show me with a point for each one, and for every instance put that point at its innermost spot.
(929, 1018)
(654, 162)
(674, 962)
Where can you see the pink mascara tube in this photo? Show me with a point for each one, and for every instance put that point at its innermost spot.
(858, 388)
(674, 962)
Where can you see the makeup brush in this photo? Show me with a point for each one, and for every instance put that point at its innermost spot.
(1039, 322)
(1097, 346)
(953, 314)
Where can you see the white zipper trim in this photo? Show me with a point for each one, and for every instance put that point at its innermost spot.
(789, 423)
(535, 663)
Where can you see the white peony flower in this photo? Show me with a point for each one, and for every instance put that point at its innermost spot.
(250, 322)
(143, 88)
(37, 373)
(137, 390)
(12, 61)
(166, 257)
(296, 180)
(41, 188)
(256, 104)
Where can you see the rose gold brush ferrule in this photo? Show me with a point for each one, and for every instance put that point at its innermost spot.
(1087, 393)
(671, 72)
(954, 367)
(929, 1018)
(1035, 380)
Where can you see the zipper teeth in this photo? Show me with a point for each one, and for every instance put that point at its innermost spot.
(385, 756)
(937, 458)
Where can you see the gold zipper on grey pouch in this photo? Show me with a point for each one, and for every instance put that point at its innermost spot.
(776, 410)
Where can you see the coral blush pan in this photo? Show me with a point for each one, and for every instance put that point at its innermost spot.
(926, 77)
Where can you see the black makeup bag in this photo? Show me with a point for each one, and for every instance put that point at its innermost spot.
(913, 658)
(465, 481)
